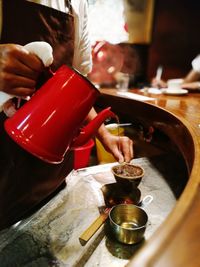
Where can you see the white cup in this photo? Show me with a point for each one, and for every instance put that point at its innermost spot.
(174, 84)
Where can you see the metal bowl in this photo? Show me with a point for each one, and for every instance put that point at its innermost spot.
(115, 194)
(128, 223)
(127, 172)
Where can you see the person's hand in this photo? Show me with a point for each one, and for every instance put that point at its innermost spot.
(191, 85)
(19, 70)
(158, 83)
(120, 146)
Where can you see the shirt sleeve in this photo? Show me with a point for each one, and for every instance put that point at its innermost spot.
(82, 60)
(196, 64)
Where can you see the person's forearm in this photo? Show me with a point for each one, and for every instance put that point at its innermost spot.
(192, 76)
(102, 131)
(121, 148)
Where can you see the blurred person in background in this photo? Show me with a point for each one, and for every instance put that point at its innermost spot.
(191, 81)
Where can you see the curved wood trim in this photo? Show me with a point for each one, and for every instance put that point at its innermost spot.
(176, 242)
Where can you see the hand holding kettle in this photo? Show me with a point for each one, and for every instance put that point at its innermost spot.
(20, 67)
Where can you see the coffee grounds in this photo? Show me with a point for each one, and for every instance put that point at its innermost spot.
(128, 170)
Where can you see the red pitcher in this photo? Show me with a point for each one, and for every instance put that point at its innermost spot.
(49, 124)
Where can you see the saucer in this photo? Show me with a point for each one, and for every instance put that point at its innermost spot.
(151, 90)
(168, 91)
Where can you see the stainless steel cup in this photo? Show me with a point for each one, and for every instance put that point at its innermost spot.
(128, 223)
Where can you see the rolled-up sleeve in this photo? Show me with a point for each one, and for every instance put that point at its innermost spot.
(82, 60)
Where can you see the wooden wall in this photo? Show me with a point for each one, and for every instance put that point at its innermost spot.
(175, 42)
(175, 37)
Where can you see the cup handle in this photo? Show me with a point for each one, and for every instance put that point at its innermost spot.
(146, 201)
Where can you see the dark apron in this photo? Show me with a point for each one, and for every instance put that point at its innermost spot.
(26, 182)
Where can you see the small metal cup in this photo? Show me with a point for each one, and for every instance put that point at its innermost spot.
(128, 223)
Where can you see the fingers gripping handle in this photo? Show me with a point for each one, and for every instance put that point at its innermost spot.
(41, 49)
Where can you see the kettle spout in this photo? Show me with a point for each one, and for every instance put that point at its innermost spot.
(91, 128)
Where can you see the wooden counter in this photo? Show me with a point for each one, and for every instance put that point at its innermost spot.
(176, 242)
(50, 236)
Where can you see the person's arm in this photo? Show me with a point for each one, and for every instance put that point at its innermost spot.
(192, 76)
(192, 79)
(121, 147)
(82, 60)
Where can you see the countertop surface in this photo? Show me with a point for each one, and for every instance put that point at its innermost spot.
(50, 237)
(187, 106)
(176, 242)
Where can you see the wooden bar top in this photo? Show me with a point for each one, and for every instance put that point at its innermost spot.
(176, 242)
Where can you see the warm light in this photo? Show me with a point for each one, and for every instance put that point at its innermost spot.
(106, 21)
(101, 56)
(111, 69)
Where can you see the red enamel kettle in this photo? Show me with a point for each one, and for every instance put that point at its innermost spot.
(49, 124)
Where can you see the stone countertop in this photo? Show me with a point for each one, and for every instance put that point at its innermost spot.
(50, 237)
